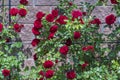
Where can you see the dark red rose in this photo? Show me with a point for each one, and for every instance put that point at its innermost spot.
(53, 29)
(40, 15)
(96, 21)
(56, 61)
(71, 74)
(17, 27)
(49, 73)
(110, 19)
(77, 35)
(5, 72)
(64, 50)
(51, 35)
(76, 14)
(84, 65)
(55, 12)
(61, 19)
(88, 48)
(50, 18)
(7, 40)
(41, 78)
(48, 64)
(70, 3)
(68, 42)
(1, 27)
(35, 57)
(42, 73)
(84, 13)
(23, 2)
(14, 11)
(38, 24)
(114, 2)
(22, 12)
(35, 42)
(35, 31)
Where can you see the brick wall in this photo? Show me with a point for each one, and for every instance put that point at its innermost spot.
(45, 6)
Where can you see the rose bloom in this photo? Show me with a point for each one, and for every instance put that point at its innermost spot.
(76, 14)
(14, 11)
(88, 48)
(48, 64)
(110, 19)
(23, 2)
(50, 18)
(53, 29)
(61, 19)
(35, 42)
(1, 27)
(42, 73)
(35, 31)
(114, 1)
(71, 74)
(77, 35)
(40, 15)
(68, 42)
(5, 72)
(55, 12)
(64, 50)
(49, 73)
(17, 27)
(96, 21)
(70, 3)
(35, 57)
(84, 65)
(38, 24)
(51, 36)
(41, 78)
(22, 12)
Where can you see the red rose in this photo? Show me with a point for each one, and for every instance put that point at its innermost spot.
(76, 14)
(51, 35)
(40, 15)
(68, 42)
(71, 74)
(48, 64)
(17, 27)
(55, 12)
(23, 2)
(88, 48)
(7, 40)
(22, 12)
(41, 78)
(6, 72)
(77, 35)
(84, 13)
(35, 57)
(38, 24)
(1, 27)
(35, 31)
(35, 42)
(114, 2)
(70, 3)
(110, 19)
(14, 11)
(84, 65)
(56, 61)
(50, 18)
(49, 73)
(42, 73)
(61, 19)
(96, 21)
(64, 50)
(53, 29)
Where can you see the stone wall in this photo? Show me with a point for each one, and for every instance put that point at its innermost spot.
(46, 6)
